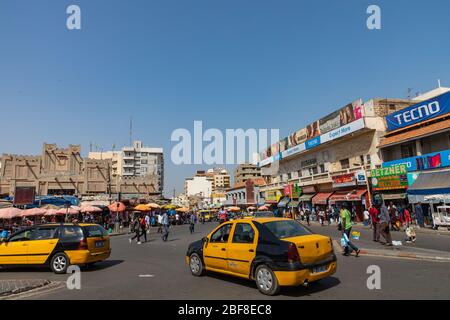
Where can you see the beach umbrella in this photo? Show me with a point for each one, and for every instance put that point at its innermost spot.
(117, 207)
(33, 212)
(67, 211)
(170, 206)
(233, 208)
(142, 207)
(251, 208)
(90, 209)
(49, 206)
(51, 212)
(263, 208)
(10, 213)
(154, 205)
(182, 210)
(76, 208)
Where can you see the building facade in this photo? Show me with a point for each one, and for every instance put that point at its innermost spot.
(136, 161)
(329, 161)
(63, 171)
(246, 193)
(246, 171)
(416, 151)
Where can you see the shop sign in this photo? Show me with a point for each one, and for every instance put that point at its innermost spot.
(425, 162)
(309, 189)
(420, 112)
(397, 169)
(344, 180)
(273, 195)
(390, 182)
(309, 162)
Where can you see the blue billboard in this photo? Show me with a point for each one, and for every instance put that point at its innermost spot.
(424, 162)
(426, 110)
(312, 143)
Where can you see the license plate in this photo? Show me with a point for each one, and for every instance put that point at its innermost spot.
(99, 244)
(319, 269)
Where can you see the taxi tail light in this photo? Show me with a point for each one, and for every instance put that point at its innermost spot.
(293, 255)
(83, 245)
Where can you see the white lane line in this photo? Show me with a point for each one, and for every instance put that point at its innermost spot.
(146, 275)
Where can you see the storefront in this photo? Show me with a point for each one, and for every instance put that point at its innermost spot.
(321, 200)
(351, 191)
(390, 184)
(305, 200)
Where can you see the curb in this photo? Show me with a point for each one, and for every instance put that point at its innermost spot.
(52, 286)
(399, 255)
(23, 290)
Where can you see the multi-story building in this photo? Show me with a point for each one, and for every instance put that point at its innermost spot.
(199, 185)
(136, 161)
(328, 161)
(416, 151)
(246, 193)
(246, 171)
(59, 171)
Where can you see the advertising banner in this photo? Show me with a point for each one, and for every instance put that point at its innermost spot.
(297, 137)
(330, 122)
(344, 180)
(343, 131)
(297, 149)
(313, 130)
(284, 144)
(426, 110)
(397, 169)
(390, 182)
(312, 143)
(425, 162)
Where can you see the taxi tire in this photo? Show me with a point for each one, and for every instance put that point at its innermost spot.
(60, 258)
(275, 287)
(201, 268)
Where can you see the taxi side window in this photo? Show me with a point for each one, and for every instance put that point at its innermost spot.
(243, 233)
(222, 234)
(44, 233)
(21, 236)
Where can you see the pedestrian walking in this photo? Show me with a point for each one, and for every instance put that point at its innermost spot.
(384, 224)
(165, 226)
(346, 222)
(135, 227)
(222, 215)
(374, 213)
(192, 223)
(143, 227)
(407, 217)
(419, 215)
(366, 217)
(159, 223)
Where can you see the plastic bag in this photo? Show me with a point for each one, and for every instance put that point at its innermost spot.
(344, 240)
(356, 235)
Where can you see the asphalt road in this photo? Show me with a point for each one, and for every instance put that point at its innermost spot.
(157, 270)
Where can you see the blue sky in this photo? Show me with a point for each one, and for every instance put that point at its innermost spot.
(232, 64)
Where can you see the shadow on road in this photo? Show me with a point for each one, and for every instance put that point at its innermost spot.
(98, 266)
(299, 291)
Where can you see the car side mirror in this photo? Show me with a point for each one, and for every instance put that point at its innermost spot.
(205, 240)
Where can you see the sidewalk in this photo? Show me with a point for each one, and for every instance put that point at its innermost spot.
(430, 247)
(10, 287)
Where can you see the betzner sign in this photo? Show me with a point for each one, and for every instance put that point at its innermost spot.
(426, 110)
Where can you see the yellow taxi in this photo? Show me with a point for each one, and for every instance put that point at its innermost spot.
(56, 245)
(274, 252)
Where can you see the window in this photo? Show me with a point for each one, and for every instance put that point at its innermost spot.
(243, 233)
(369, 159)
(313, 171)
(71, 233)
(345, 164)
(95, 231)
(299, 172)
(289, 176)
(44, 233)
(322, 168)
(408, 150)
(286, 229)
(361, 159)
(222, 234)
(21, 236)
(144, 161)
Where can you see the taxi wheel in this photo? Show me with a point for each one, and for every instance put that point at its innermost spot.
(196, 265)
(266, 281)
(59, 263)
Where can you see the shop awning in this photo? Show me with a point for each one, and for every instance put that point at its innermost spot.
(394, 196)
(283, 202)
(293, 204)
(321, 198)
(431, 183)
(306, 197)
(354, 195)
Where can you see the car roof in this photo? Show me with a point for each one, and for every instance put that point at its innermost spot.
(66, 224)
(264, 219)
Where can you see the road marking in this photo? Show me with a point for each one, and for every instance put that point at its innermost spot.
(146, 275)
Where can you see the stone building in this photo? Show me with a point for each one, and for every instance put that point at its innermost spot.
(63, 171)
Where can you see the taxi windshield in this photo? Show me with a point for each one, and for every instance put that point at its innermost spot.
(287, 228)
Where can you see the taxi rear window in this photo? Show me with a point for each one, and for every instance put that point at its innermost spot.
(286, 229)
(95, 231)
(71, 233)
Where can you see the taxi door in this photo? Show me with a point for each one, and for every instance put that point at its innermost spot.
(42, 244)
(14, 251)
(242, 248)
(215, 250)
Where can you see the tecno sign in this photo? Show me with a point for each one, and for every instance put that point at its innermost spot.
(419, 112)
